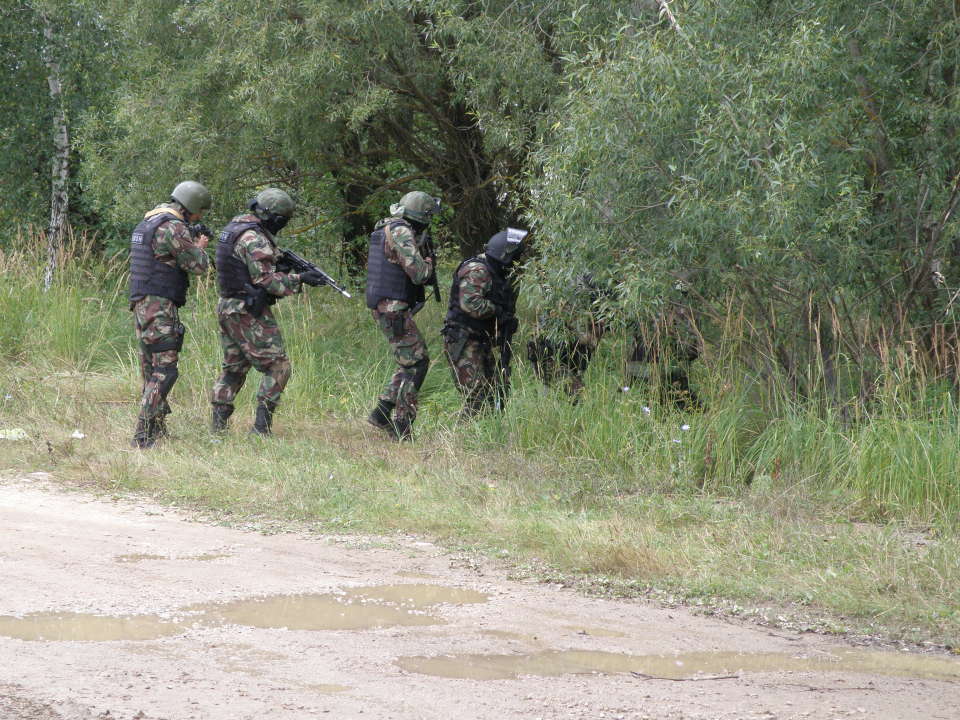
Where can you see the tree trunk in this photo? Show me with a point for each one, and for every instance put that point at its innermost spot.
(59, 199)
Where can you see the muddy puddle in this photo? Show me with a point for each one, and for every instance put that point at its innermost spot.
(352, 609)
(563, 662)
(140, 557)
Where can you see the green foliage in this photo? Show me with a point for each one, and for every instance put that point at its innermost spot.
(82, 52)
(377, 98)
(799, 161)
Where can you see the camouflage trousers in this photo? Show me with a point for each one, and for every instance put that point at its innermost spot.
(412, 357)
(159, 332)
(251, 342)
(474, 374)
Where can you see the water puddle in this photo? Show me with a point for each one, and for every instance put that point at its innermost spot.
(327, 688)
(505, 635)
(82, 626)
(139, 557)
(353, 609)
(596, 632)
(563, 662)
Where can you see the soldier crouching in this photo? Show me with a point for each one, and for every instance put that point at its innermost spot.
(480, 312)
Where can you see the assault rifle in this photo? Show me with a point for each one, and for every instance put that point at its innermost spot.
(428, 249)
(506, 357)
(201, 229)
(292, 262)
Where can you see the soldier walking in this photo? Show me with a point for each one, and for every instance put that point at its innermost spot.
(481, 312)
(250, 283)
(163, 255)
(398, 267)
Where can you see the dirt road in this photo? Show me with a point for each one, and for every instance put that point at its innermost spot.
(128, 610)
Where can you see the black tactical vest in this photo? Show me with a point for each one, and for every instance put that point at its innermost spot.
(501, 294)
(149, 276)
(385, 280)
(232, 272)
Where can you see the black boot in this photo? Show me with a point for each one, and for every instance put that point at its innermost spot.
(263, 425)
(146, 434)
(380, 417)
(221, 413)
(159, 427)
(402, 430)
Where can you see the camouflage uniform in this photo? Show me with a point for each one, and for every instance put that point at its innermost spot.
(662, 353)
(156, 318)
(565, 361)
(409, 348)
(474, 371)
(249, 341)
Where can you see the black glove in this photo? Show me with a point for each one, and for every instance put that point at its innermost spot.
(311, 278)
(511, 326)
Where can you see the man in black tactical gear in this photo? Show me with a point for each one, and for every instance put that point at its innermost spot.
(163, 255)
(481, 314)
(398, 266)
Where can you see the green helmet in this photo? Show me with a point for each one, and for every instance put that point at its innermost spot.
(193, 196)
(275, 201)
(416, 206)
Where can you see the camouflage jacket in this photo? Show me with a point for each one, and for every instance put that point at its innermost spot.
(260, 253)
(173, 245)
(475, 284)
(400, 247)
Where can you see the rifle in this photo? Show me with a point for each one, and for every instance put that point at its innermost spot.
(503, 363)
(296, 263)
(200, 229)
(428, 248)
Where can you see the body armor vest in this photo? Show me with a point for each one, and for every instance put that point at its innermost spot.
(501, 294)
(233, 276)
(386, 280)
(149, 276)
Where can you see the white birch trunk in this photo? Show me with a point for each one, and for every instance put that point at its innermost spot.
(59, 199)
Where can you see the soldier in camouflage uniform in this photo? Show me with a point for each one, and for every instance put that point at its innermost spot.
(250, 283)
(565, 360)
(398, 267)
(163, 255)
(482, 307)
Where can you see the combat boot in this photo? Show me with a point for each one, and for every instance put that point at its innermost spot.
(263, 425)
(221, 413)
(159, 424)
(402, 430)
(380, 417)
(145, 436)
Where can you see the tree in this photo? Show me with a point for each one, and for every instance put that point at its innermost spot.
(800, 158)
(379, 97)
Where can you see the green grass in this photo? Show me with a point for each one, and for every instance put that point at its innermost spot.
(762, 502)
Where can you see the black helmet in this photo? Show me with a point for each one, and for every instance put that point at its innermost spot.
(506, 246)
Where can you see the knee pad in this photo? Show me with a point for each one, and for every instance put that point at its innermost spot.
(167, 377)
(233, 379)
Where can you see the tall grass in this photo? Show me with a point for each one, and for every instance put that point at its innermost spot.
(739, 499)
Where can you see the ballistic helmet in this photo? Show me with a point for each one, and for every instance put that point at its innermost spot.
(193, 196)
(506, 246)
(274, 208)
(417, 207)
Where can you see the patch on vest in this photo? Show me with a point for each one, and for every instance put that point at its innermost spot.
(137, 238)
(224, 236)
